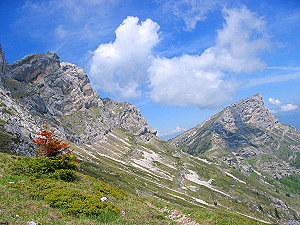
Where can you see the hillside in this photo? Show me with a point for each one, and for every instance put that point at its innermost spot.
(115, 145)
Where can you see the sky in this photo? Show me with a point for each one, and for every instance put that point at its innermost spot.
(178, 61)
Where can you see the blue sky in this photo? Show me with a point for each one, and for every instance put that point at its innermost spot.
(178, 61)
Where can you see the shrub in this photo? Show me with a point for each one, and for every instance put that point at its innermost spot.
(107, 190)
(74, 202)
(65, 175)
(59, 167)
(49, 144)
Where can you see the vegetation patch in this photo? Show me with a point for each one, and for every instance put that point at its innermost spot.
(297, 160)
(292, 183)
(58, 195)
(39, 166)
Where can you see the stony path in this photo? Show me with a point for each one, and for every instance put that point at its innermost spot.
(176, 215)
(179, 217)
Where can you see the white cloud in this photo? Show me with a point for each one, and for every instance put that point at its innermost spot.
(126, 67)
(120, 67)
(274, 101)
(180, 81)
(191, 11)
(288, 107)
(279, 107)
(202, 80)
(175, 131)
(273, 111)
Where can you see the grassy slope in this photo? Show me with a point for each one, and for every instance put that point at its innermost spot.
(16, 206)
(114, 161)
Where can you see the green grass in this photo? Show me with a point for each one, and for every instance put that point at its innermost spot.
(292, 183)
(297, 160)
(44, 200)
(51, 201)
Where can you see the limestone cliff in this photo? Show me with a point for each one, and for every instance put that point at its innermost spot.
(39, 88)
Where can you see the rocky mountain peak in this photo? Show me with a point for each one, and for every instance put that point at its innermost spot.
(250, 111)
(67, 90)
(34, 67)
(61, 95)
(245, 129)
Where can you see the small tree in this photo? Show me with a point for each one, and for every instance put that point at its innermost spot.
(49, 144)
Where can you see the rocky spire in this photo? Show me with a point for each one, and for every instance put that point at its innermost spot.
(2, 61)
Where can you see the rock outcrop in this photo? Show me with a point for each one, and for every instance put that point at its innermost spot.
(3, 63)
(245, 130)
(38, 88)
(34, 67)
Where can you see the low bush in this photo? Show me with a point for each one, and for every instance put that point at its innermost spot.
(292, 182)
(59, 195)
(60, 167)
(106, 190)
(65, 175)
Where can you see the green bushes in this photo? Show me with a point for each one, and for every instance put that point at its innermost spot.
(297, 160)
(59, 194)
(292, 182)
(77, 203)
(65, 175)
(106, 190)
(60, 167)
(48, 178)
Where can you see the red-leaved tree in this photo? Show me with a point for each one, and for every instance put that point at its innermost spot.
(49, 144)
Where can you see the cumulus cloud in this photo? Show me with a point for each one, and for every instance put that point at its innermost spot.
(280, 107)
(120, 67)
(288, 107)
(274, 101)
(175, 131)
(126, 67)
(202, 80)
(180, 81)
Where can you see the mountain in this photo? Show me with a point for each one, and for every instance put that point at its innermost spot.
(247, 136)
(115, 144)
(39, 88)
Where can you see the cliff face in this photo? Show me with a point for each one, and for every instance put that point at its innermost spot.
(60, 94)
(243, 131)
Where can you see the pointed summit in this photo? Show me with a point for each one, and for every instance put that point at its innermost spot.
(250, 111)
(244, 130)
(230, 128)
